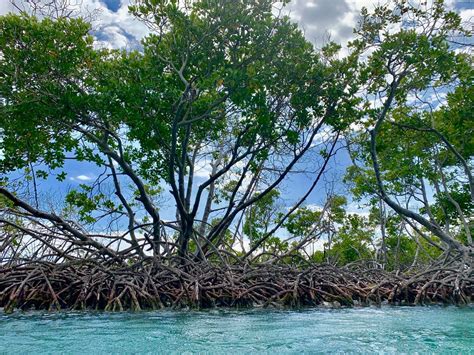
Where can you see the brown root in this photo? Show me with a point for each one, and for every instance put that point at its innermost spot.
(200, 285)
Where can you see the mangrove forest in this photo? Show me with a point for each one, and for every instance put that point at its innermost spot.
(228, 161)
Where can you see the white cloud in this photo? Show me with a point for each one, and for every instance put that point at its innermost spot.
(314, 207)
(112, 37)
(117, 29)
(467, 16)
(82, 178)
(358, 209)
(112, 29)
(328, 19)
(322, 136)
(318, 18)
(203, 168)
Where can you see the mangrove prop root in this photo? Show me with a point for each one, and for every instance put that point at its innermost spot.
(88, 286)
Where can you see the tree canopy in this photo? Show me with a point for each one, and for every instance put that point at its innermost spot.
(234, 89)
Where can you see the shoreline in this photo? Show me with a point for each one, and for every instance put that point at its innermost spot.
(234, 309)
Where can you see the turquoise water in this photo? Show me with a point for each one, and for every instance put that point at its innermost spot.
(362, 330)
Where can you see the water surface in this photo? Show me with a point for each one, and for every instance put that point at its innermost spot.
(362, 330)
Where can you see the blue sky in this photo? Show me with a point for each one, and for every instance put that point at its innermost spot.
(112, 5)
(292, 189)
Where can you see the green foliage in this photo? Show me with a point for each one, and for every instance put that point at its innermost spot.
(444, 210)
(220, 80)
(86, 201)
(260, 216)
(301, 222)
(402, 251)
(420, 136)
(42, 67)
(352, 240)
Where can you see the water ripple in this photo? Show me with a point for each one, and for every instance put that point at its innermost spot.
(359, 330)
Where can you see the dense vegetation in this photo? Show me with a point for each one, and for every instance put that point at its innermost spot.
(235, 89)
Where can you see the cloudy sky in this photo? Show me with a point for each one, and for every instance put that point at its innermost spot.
(319, 19)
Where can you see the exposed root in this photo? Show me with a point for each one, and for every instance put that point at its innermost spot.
(155, 286)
